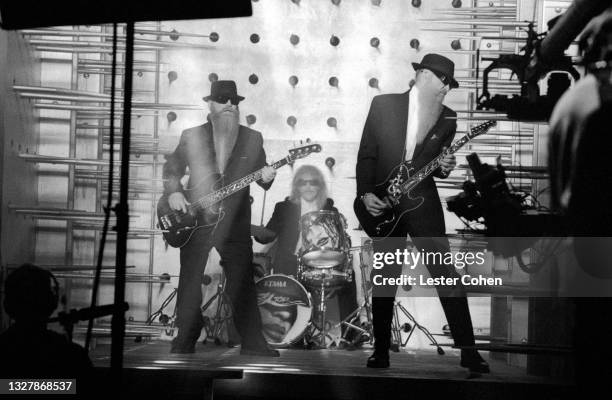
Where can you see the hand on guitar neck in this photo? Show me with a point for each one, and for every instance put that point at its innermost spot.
(447, 163)
(268, 174)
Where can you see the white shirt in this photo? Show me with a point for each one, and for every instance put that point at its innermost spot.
(412, 127)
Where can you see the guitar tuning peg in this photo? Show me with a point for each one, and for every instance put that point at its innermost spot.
(301, 142)
(307, 140)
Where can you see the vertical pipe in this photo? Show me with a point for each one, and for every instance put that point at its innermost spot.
(122, 212)
(155, 168)
(69, 245)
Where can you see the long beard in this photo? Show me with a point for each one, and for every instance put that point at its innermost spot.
(225, 132)
(427, 108)
(225, 123)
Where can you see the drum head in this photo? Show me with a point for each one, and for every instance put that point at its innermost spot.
(324, 240)
(285, 309)
(323, 258)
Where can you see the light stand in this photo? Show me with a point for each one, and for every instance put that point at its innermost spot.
(122, 210)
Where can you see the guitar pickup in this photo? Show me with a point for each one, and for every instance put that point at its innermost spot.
(165, 221)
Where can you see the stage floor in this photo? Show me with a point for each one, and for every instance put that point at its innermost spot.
(336, 374)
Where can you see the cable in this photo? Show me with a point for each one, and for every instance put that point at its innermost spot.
(109, 199)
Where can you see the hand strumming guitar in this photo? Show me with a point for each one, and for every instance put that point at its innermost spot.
(178, 202)
(373, 204)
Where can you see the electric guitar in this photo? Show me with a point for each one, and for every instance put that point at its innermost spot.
(396, 189)
(204, 209)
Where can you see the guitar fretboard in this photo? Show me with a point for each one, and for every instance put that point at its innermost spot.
(434, 164)
(428, 169)
(228, 190)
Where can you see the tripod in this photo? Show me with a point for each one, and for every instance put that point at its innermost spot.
(397, 329)
(222, 317)
(164, 318)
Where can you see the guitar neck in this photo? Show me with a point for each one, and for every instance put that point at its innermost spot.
(434, 164)
(235, 186)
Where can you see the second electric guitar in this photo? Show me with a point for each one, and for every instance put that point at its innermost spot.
(396, 190)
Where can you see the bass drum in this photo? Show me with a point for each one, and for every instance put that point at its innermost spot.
(285, 308)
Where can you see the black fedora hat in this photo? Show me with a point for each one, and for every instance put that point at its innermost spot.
(221, 91)
(440, 65)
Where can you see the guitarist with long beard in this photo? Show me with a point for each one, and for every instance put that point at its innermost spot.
(414, 126)
(219, 148)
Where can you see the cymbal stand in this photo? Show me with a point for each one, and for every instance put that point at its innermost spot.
(366, 327)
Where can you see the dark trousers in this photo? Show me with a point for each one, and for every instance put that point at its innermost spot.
(236, 258)
(453, 299)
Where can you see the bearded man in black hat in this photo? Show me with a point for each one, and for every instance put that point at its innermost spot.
(413, 127)
(223, 147)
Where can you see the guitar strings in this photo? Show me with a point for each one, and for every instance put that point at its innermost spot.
(210, 198)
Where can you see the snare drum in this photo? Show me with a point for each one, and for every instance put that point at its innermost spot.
(329, 277)
(324, 239)
(285, 308)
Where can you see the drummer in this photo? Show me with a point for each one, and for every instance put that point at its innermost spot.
(308, 193)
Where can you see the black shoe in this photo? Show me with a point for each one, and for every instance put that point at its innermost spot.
(179, 347)
(378, 360)
(474, 362)
(259, 351)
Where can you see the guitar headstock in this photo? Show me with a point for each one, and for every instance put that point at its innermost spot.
(304, 150)
(481, 129)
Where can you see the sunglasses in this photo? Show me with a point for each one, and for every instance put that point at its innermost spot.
(311, 182)
(223, 99)
(440, 76)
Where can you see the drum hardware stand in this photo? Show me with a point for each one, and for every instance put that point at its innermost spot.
(366, 327)
(397, 329)
(166, 320)
(223, 315)
(322, 335)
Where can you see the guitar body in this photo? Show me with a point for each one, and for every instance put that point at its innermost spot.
(178, 226)
(383, 225)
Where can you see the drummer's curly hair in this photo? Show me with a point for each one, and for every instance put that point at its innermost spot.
(316, 174)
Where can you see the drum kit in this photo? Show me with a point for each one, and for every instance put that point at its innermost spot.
(288, 312)
(293, 309)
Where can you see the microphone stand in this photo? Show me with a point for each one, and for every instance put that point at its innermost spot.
(68, 319)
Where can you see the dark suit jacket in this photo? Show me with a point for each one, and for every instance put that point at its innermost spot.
(382, 147)
(196, 150)
(285, 222)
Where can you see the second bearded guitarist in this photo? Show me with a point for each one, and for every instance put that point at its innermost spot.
(219, 146)
(413, 126)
